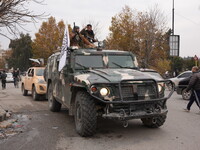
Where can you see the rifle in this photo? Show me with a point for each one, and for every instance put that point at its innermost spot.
(83, 38)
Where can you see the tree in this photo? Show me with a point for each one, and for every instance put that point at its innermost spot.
(21, 52)
(176, 64)
(123, 31)
(48, 39)
(188, 63)
(14, 14)
(2, 63)
(144, 34)
(6, 56)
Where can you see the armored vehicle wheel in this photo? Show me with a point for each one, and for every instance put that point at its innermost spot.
(34, 94)
(186, 95)
(54, 105)
(154, 122)
(85, 114)
(24, 92)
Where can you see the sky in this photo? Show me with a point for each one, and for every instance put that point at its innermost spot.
(187, 17)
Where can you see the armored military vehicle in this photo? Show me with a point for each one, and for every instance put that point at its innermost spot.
(104, 83)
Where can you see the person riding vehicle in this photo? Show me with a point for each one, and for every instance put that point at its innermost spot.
(76, 39)
(88, 33)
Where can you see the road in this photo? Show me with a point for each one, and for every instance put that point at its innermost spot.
(40, 129)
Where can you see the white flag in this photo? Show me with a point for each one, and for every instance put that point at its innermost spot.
(64, 51)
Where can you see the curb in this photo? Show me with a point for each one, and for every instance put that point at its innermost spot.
(2, 114)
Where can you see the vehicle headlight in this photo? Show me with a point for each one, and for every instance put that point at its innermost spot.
(104, 91)
(160, 87)
(41, 81)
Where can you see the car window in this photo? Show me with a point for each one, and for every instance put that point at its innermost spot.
(185, 75)
(39, 72)
(88, 61)
(120, 61)
(30, 72)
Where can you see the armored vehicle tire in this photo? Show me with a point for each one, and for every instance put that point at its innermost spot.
(54, 105)
(34, 94)
(186, 95)
(85, 114)
(154, 122)
(24, 92)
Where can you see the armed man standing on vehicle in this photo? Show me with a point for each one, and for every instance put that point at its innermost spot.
(194, 84)
(88, 33)
(76, 39)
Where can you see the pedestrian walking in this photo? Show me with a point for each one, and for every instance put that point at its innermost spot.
(16, 78)
(194, 85)
(3, 79)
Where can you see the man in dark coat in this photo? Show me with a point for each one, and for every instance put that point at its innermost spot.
(16, 77)
(77, 39)
(88, 33)
(194, 85)
(3, 79)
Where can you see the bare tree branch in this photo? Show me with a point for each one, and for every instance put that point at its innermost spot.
(5, 35)
(14, 14)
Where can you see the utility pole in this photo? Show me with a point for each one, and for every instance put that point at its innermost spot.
(173, 18)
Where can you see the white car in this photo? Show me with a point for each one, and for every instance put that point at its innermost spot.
(9, 77)
(181, 76)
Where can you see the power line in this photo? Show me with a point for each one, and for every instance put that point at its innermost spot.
(187, 19)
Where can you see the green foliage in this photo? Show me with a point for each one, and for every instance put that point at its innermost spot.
(21, 52)
(176, 63)
(188, 63)
(180, 64)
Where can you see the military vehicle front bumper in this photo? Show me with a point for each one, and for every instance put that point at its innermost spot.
(133, 115)
(126, 110)
(123, 109)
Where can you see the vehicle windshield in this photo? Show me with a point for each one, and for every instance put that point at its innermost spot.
(120, 61)
(88, 61)
(39, 72)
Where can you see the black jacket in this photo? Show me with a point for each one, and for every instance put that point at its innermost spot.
(194, 82)
(89, 35)
(3, 76)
